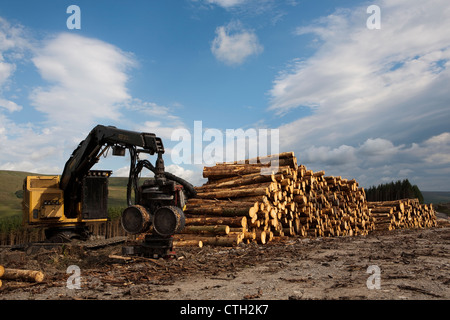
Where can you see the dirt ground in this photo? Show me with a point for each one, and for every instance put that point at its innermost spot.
(399, 264)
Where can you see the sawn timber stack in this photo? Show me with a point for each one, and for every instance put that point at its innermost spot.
(404, 213)
(261, 201)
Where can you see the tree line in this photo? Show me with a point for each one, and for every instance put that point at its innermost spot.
(394, 191)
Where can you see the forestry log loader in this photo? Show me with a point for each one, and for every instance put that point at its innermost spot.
(63, 205)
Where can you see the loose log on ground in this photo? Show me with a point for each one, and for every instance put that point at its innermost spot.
(188, 243)
(23, 275)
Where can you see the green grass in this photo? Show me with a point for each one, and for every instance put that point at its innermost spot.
(10, 223)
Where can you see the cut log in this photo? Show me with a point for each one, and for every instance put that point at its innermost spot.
(253, 178)
(225, 212)
(261, 236)
(267, 184)
(300, 199)
(383, 209)
(235, 193)
(198, 202)
(221, 172)
(282, 155)
(214, 229)
(117, 257)
(23, 275)
(2, 270)
(208, 221)
(188, 243)
(222, 241)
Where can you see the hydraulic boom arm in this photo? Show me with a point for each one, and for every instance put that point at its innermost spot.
(96, 143)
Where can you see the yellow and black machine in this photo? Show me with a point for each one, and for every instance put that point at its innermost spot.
(63, 205)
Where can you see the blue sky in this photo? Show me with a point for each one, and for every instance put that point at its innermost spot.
(373, 105)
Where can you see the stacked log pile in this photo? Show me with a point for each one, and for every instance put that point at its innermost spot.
(400, 214)
(259, 205)
(248, 201)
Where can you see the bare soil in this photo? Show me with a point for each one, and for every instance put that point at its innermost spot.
(413, 264)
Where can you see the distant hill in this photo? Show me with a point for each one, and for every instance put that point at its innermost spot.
(436, 197)
(11, 187)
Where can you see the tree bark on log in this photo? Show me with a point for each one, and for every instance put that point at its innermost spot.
(207, 221)
(222, 171)
(188, 243)
(207, 229)
(225, 212)
(296, 201)
(264, 159)
(237, 181)
(235, 193)
(24, 275)
(222, 241)
(270, 185)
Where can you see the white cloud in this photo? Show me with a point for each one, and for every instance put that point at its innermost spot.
(233, 44)
(180, 171)
(195, 178)
(191, 176)
(29, 166)
(226, 3)
(6, 70)
(148, 108)
(158, 113)
(9, 105)
(377, 91)
(374, 147)
(439, 140)
(250, 7)
(331, 156)
(353, 69)
(161, 129)
(426, 163)
(86, 85)
(122, 172)
(12, 45)
(88, 80)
